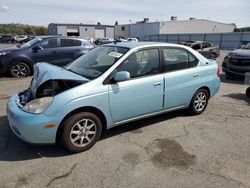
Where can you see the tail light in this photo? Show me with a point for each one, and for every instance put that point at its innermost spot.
(218, 71)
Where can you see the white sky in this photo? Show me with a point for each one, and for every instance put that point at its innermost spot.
(43, 12)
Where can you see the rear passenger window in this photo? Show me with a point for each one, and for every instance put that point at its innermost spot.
(177, 59)
(70, 42)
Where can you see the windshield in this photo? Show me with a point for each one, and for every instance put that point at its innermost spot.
(30, 43)
(247, 46)
(97, 61)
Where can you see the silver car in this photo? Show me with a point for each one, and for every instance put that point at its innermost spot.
(207, 49)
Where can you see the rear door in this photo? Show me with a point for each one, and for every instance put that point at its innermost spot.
(181, 77)
(143, 93)
(70, 50)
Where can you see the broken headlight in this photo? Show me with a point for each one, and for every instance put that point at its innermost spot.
(37, 106)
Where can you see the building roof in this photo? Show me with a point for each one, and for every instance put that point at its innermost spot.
(80, 24)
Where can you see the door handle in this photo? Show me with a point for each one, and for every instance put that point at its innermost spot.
(196, 75)
(157, 84)
(53, 52)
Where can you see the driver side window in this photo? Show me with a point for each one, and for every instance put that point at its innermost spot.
(141, 63)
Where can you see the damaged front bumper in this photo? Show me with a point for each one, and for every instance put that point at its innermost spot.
(29, 127)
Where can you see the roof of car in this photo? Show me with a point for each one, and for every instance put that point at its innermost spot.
(141, 44)
(58, 36)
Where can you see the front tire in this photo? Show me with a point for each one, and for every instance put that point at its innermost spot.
(19, 69)
(81, 131)
(199, 102)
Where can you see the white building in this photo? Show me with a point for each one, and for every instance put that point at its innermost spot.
(141, 29)
(81, 30)
(144, 28)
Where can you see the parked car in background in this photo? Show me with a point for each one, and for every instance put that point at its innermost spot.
(207, 49)
(111, 85)
(8, 38)
(21, 38)
(27, 39)
(91, 40)
(121, 39)
(237, 62)
(132, 40)
(18, 61)
(100, 41)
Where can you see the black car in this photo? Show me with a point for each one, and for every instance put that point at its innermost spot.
(8, 38)
(237, 62)
(18, 61)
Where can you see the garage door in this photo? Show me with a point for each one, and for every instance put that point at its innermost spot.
(72, 31)
(99, 33)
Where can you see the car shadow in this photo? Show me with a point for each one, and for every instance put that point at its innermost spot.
(13, 149)
(239, 80)
(238, 96)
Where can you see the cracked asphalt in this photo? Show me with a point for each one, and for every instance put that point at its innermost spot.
(170, 150)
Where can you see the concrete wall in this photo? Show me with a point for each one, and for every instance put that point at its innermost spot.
(52, 29)
(223, 40)
(110, 32)
(138, 30)
(87, 32)
(194, 26)
(62, 30)
(122, 33)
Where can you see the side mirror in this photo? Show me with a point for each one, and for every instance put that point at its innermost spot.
(36, 48)
(122, 76)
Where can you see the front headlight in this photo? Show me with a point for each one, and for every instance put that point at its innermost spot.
(37, 106)
(4, 52)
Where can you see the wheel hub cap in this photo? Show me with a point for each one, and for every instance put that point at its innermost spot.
(83, 132)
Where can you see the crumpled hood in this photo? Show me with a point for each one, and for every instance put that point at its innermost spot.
(240, 52)
(44, 72)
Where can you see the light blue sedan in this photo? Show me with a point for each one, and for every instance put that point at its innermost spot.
(111, 85)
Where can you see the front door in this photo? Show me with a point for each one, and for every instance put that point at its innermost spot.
(48, 52)
(143, 93)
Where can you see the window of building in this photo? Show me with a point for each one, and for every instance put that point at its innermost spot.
(123, 28)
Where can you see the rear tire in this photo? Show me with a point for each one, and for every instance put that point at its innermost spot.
(19, 69)
(199, 102)
(248, 92)
(81, 131)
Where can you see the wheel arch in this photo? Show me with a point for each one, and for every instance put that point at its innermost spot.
(91, 109)
(206, 88)
(203, 87)
(23, 59)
